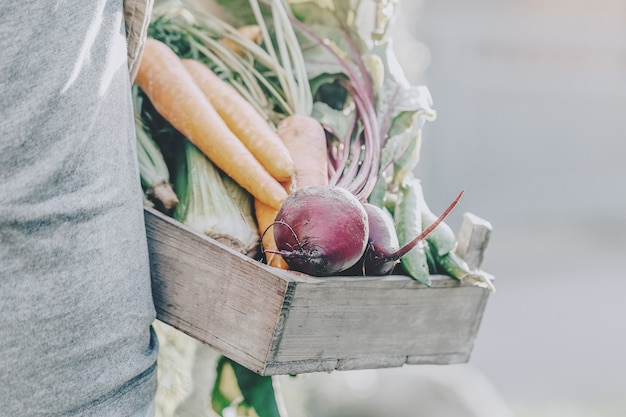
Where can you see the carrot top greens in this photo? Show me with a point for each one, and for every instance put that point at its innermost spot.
(372, 114)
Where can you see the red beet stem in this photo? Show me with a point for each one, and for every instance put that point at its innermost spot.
(410, 245)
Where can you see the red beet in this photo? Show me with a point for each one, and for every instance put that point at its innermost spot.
(321, 230)
(382, 252)
(382, 242)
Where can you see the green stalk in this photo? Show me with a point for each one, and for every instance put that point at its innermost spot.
(251, 74)
(207, 206)
(153, 171)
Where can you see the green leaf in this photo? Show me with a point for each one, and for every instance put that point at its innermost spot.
(335, 22)
(239, 11)
(327, 13)
(248, 392)
(397, 95)
(442, 238)
(378, 195)
(402, 146)
(430, 258)
(258, 391)
(409, 158)
(226, 392)
(335, 120)
(453, 265)
(326, 88)
(319, 60)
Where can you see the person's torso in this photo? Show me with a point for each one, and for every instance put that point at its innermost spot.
(75, 302)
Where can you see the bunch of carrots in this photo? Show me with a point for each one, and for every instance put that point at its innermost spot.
(217, 120)
(269, 163)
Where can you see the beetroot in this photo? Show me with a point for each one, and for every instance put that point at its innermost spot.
(382, 241)
(382, 252)
(321, 230)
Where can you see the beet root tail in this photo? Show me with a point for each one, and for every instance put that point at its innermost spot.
(410, 245)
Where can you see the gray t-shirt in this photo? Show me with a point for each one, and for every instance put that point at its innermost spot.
(75, 297)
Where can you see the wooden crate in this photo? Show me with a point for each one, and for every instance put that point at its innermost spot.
(283, 322)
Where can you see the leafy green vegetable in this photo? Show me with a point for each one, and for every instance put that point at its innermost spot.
(402, 111)
(442, 238)
(456, 267)
(244, 391)
(408, 221)
(153, 170)
(389, 112)
(258, 391)
(238, 11)
(404, 140)
(207, 206)
(396, 94)
(378, 196)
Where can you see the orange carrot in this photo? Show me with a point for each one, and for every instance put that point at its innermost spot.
(305, 139)
(244, 120)
(251, 32)
(175, 95)
(265, 216)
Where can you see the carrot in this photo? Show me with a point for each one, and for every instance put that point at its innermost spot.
(175, 95)
(305, 139)
(250, 32)
(244, 120)
(265, 216)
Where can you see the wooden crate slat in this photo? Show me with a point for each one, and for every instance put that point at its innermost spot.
(210, 292)
(473, 238)
(380, 320)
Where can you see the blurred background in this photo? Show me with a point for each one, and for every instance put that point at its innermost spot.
(531, 102)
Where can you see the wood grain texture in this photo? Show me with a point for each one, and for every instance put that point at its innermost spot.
(213, 293)
(377, 322)
(473, 238)
(280, 322)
